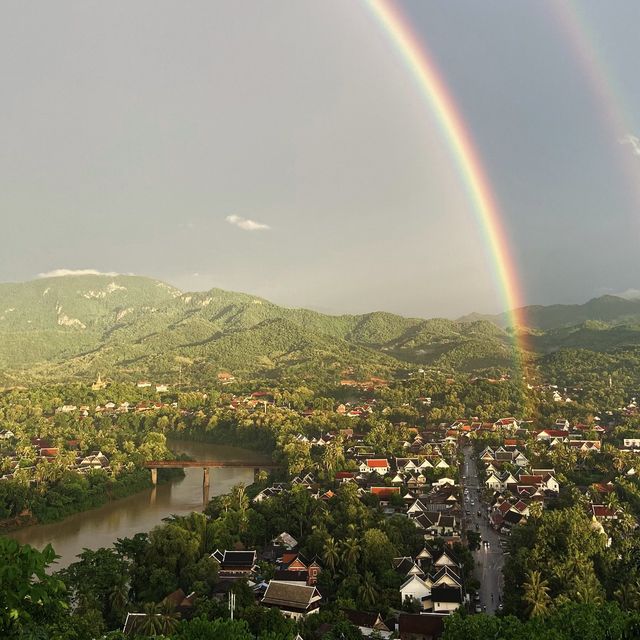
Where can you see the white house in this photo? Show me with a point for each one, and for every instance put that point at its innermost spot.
(379, 465)
(493, 483)
(415, 588)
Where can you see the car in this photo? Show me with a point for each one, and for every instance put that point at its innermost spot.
(479, 514)
(500, 607)
(477, 527)
(476, 597)
(478, 608)
(484, 607)
(467, 512)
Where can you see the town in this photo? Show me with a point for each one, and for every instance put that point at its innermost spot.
(374, 518)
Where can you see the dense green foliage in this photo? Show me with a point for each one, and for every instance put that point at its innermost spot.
(568, 622)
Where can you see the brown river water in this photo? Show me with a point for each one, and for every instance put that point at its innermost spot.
(142, 511)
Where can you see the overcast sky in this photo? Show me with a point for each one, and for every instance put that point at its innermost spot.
(281, 148)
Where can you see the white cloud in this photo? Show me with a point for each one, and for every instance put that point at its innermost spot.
(246, 224)
(634, 141)
(629, 294)
(57, 273)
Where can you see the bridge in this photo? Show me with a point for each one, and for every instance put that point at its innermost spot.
(154, 465)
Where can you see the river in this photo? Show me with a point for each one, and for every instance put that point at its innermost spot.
(144, 510)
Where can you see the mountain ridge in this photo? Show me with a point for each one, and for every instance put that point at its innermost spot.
(80, 325)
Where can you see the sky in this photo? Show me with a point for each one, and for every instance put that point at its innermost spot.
(281, 148)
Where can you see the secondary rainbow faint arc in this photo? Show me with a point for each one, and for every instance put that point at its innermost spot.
(582, 40)
(418, 60)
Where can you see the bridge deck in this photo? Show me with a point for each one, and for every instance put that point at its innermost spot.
(182, 464)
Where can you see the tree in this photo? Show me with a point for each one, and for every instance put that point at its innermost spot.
(350, 554)
(367, 591)
(377, 551)
(220, 629)
(151, 624)
(29, 597)
(330, 554)
(536, 594)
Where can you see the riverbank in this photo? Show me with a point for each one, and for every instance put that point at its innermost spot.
(55, 505)
(141, 511)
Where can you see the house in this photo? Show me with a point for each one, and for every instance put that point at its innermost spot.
(294, 600)
(407, 567)
(285, 540)
(600, 513)
(235, 564)
(134, 623)
(416, 509)
(95, 460)
(297, 562)
(345, 476)
(493, 483)
(428, 626)
(550, 483)
(446, 576)
(418, 589)
(379, 465)
(369, 623)
(444, 559)
(181, 603)
(446, 599)
(487, 455)
(384, 493)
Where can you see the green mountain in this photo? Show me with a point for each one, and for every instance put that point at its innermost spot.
(608, 309)
(131, 326)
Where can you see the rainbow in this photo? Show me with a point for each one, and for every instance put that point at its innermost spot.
(582, 40)
(420, 64)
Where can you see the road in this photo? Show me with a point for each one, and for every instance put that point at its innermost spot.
(488, 560)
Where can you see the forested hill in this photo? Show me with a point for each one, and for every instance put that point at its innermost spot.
(131, 325)
(608, 309)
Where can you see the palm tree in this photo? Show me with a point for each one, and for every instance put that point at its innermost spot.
(628, 595)
(330, 554)
(612, 502)
(588, 588)
(350, 553)
(169, 618)
(367, 591)
(536, 594)
(239, 499)
(151, 624)
(119, 596)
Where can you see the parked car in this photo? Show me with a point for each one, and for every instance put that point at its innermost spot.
(478, 609)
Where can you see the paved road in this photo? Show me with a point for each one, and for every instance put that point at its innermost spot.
(489, 561)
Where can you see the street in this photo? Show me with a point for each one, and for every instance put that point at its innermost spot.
(488, 560)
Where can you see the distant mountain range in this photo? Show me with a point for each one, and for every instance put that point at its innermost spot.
(132, 326)
(609, 309)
